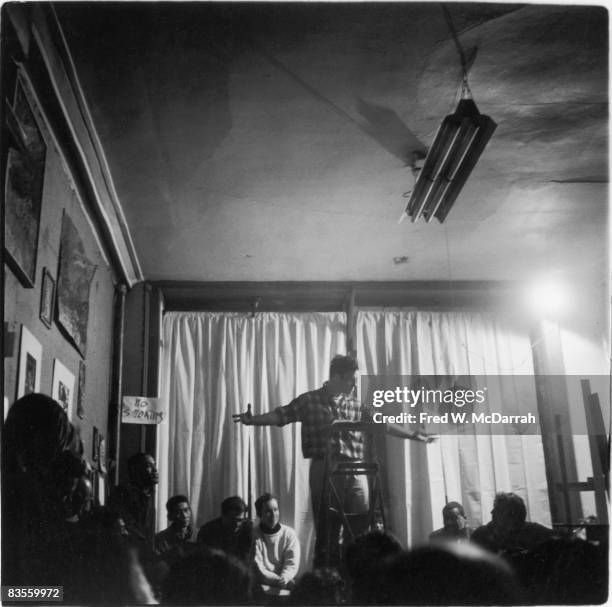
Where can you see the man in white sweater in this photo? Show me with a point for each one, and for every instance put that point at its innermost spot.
(277, 549)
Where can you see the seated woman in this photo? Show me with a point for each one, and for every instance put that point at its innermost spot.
(277, 550)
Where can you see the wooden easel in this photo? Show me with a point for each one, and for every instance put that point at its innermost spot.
(599, 447)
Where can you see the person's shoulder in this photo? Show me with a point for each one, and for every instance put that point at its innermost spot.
(119, 493)
(210, 526)
(317, 395)
(120, 488)
(288, 531)
(481, 532)
(437, 534)
(162, 535)
(308, 399)
(537, 529)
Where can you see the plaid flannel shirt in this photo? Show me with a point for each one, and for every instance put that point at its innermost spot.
(316, 410)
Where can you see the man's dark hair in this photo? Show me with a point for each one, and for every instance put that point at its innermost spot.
(450, 506)
(174, 501)
(233, 504)
(511, 504)
(321, 586)
(261, 500)
(134, 461)
(340, 365)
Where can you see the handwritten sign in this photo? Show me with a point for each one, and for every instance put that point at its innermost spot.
(142, 410)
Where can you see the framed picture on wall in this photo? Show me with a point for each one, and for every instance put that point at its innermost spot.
(23, 182)
(102, 454)
(81, 391)
(47, 298)
(101, 493)
(95, 447)
(63, 387)
(30, 361)
(74, 278)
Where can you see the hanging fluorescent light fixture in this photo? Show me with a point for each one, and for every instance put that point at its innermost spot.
(458, 144)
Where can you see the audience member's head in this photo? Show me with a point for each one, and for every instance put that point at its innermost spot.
(453, 516)
(142, 470)
(41, 472)
(363, 559)
(447, 574)
(567, 571)
(209, 577)
(233, 512)
(266, 508)
(179, 511)
(509, 511)
(35, 432)
(318, 587)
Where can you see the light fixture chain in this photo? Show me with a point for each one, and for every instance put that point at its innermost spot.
(466, 93)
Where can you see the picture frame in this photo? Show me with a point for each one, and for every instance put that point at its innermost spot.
(23, 184)
(30, 362)
(81, 391)
(47, 298)
(101, 490)
(63, 387)
(74, 278)
(102, 454)
(95, 447)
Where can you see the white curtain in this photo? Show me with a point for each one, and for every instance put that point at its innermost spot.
(213, 365)
(466, 468)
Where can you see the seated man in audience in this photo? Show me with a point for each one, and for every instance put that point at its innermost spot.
(508, 533)
(231, 532)
(133, 504)
(172, 544)
(455, 527)
(277, 549)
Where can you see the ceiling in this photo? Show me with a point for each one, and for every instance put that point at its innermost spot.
(272, 141)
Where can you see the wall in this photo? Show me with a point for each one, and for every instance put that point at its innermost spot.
(22, 305)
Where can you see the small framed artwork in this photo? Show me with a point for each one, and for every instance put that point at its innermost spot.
(63, 387)
(95, 447)
(81, 391)
(74, 277)
(101, 490)
(47, 298)
(30, 361)
(102, 454)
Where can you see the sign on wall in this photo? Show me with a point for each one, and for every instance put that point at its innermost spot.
(142, 410)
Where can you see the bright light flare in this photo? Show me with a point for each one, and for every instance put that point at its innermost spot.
(548, 298)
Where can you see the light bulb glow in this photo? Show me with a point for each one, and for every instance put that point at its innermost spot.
(548, 298)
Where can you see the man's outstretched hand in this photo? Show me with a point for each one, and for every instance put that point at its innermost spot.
(425, 438)
(245, 418)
